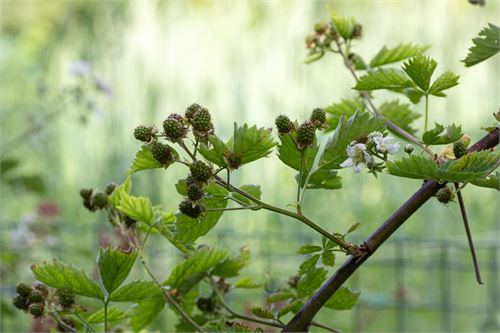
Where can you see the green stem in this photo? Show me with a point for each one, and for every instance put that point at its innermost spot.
(56, 317)
(106, 315)
(426, 112)
(84, 322)
(232, 208)
(300, 179)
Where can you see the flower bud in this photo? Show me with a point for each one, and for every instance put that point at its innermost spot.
(409, 149)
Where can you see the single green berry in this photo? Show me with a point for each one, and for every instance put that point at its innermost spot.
(206, 304)
(20, 302)
(357, 31)
(409, 149)
(23, 289)
(200, 171)
(66, 297)
(100, 199)
(87, 203)
(318, 117)
(143, 133)
(191, 110)
(283, 124)
(110, 188)
(129, 222)
(190, 180)
(162, 153)
(202, 120)
(445, 195)
(233, 160)
(321, 27)
(36, 296)
(293, 281)
(306, 134)
(174, 130)
(42, 288)
(86, 193)
(459, 149)
(36, 309)
(195, 192)
(187, 207)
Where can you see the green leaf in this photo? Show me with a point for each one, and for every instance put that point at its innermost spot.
(143, 160)
(114, 314)
(343, 25)
(343, 299)
(31, 183)
(61, 275)
(420, 69)
(138, 208)
(293, 307)
(492, 181)
(311, 281)
(8, 164)
(190, 271)
(445, 81)
(216, 153)
(486, 45)
(121, 191)
(246, 283)
(468, 167)
(324, 179)
(313, 57)
(262, 313)
(280, 296)
(360, 124)
(306, 249)
(135, 291)
(399, 114)
(145, 312)
(328, 258)
(232, 266)
(253, 190)
(401, 52)
(308, 264)
(291, 155)
(114, 266)
(346, 107)
(252, 143)
(383, 79)
(434, 137)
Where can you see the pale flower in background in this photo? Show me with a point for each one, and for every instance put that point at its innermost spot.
(384, 143)
(358, 157)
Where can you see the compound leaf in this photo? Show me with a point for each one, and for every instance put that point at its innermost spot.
(145, 312)
(143, 160)
(420, 69)
(400, 52)
(311, 281)
(138, 208)
(343, 299)
(135, 291)
(384, 79)
(251, 143)
(216, 153)
(114, 266)
(445, 81)
(486, 45)
(114, 314)
(434, 137)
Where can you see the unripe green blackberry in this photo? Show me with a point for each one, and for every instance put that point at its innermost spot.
(306, 134)
(42, 288)
(23, 289)
(100, 199)
(110, 188)
(190, 180)
(191, 110)
(177, 117)
(129, 222)
(36, 296)
(318, 117)
(445, 195)
(36, 309)
(66, 297)
(186, 207)
(206, 304)
(86, 193)
(233, 160)
(459, 149)
(161, 153)
(283, 124)
(20, 302)
(174, 129)
(143, 133)
(202, 120)
(195, 192)
(409, 149)
(200, 171)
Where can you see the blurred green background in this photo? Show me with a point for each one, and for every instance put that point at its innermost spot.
(243, 61)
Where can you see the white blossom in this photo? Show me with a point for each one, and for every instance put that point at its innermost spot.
(358, 157)
(384, 143)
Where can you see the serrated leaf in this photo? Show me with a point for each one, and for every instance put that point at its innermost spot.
(114, 266)
(190, 271)
(135, 291)
(232, 266)
(343, 299)
(307, 249)
(343, 25)
(145, 312)
(138, 208)
(434, 137)
(293, 307)
(360, 124)
(468, 167)
(384, 79)
(399, 114)
(280, 296)
(313, 57)
(114, 314)
(311, 281)
(324, 179)
(308, 264)
(61, 275)
(328, 258)
(445, 81)
(492, 181)
(251, 143)
(400, 52)
(420, 69)
(346, 107)
(181, 187)
(143, 160)
(291, 155)
(246, 283)
(216, 153)
(486, 45)
(253, 190)
(262, 313)
(121, 191)
(166, 228)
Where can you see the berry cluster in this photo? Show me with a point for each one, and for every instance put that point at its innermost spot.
(305, 133)
(325, 33)
(196, 182)
(32, 299)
